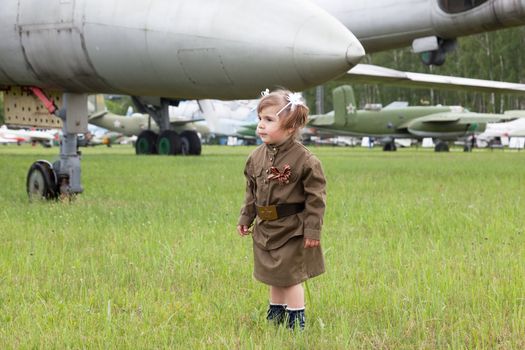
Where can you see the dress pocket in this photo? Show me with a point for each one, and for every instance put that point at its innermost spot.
(260, 177)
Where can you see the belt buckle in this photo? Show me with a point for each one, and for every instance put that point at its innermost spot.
(268, 213)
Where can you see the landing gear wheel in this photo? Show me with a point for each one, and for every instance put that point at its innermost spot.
(441, 147)
(390, 147)
(146, 143)
(194, 142)
(169, 143)
(42, 181)
(433, 58)
(185, 146)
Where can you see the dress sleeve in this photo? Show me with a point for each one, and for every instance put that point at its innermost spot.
(248, 211)
(314, 184)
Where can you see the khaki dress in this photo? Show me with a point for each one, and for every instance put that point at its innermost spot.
(280, 258)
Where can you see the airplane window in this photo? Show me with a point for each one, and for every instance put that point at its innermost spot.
(457, 6)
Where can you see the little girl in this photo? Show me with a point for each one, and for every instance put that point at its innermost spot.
(285, 195)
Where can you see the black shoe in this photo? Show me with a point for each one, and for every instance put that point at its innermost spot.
(296, 318)
(276, 313)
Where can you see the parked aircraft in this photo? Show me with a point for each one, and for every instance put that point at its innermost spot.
(514, 128)
(45, 138)
(440, 122)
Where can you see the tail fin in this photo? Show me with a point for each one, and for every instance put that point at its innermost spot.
(96, 104)
(344, 105)
(209, 113)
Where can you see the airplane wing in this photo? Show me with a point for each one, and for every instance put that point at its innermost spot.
(176, 122)
(516, 113)
(321, 120)
(465, 118)
(97, 115)
(3, 140)
(367, 74)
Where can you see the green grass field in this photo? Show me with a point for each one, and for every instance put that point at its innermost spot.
(423, 251)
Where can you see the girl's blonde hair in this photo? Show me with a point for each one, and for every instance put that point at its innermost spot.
(291, 116)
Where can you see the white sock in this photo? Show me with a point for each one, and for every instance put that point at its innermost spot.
(295, 308)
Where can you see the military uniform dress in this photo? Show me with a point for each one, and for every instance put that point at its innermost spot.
(280, 258)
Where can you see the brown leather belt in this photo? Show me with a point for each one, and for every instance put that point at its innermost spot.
(274, 212)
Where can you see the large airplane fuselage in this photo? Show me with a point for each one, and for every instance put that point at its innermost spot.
(386, 24)
(226, 49)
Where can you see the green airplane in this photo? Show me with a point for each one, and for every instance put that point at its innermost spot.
(443, 123)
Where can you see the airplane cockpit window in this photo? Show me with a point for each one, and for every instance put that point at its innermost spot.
(457, 6)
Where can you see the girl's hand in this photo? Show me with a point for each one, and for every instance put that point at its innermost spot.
(243, 230)
(311, 243)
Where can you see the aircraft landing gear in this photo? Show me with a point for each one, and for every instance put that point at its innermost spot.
(437, 57)
(168, 142)
(441, 146)
(42, 182)
(46, 181)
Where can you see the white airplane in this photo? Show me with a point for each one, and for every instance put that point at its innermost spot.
(506, 132)
(45, 138)
(229, 118)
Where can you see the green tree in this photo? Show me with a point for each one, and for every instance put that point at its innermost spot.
(119, 105)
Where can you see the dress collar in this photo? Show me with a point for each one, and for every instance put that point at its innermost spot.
(283, 146)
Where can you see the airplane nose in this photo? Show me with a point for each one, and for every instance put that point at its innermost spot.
(324, 48)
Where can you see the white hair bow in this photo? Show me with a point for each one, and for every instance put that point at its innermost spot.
(294, 99)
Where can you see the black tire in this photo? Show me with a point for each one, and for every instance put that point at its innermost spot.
(146, 143)
(193, 141)
(169, 143)
(41, 182)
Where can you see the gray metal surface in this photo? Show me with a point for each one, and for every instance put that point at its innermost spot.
(74, 111)
(177, 49)
(385, 24)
